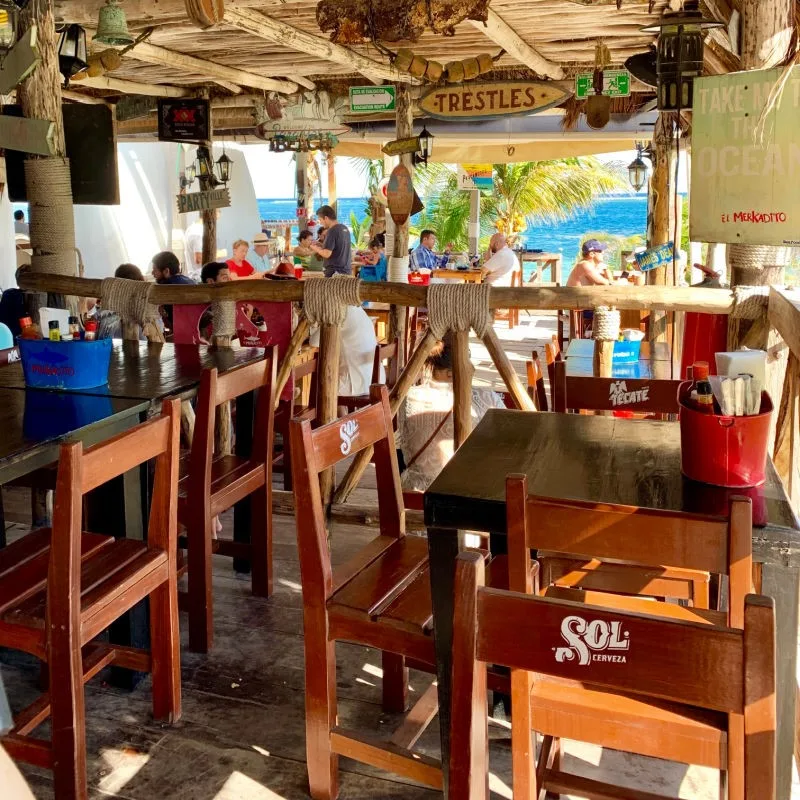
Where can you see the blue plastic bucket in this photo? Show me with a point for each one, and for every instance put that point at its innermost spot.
(626, 351)
(65, 365)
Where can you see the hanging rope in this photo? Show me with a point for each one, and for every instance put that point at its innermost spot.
(459, 307)
(325, 300)
(753, 261)
(52, 224)
(605, 325)
(749, 303)
(130, 299)
(223, 313)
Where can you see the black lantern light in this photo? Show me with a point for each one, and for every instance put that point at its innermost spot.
(205, 167)
(425, 147)
(187, 177)
(9, 17)
(680, 54)
(637, 169)
(71, 51)
(224, 166)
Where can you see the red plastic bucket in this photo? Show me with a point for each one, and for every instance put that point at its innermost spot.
(419, 279)
(725, 451)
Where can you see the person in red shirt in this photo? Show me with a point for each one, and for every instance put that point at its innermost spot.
(239, 266)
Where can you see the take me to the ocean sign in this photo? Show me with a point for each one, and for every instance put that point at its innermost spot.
(484, 100)
(745, 182)
(655, 257)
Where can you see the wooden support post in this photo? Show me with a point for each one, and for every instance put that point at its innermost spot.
(462, 387)
(474, 221)
(330, 341)
(603, 358)
(659, 222)
(407, 378)
(330, 160)
(518, 392)
(209, 216)
(301, 185)
(285, 369)
(404, 130)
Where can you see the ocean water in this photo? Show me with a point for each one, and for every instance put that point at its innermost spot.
(620, 215)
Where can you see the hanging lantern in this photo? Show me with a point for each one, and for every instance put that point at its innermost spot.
(425, 147)
(9, 16)
(637, 169)
(680, 54)
(224, 167)
(71, 51)
(112, 26)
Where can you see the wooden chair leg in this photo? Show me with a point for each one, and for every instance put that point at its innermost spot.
(68, 718)
(261, 541)
(555, 754)
(323, 763)
(3, 541)
(395, 683)
(201, 622)
(165, 651)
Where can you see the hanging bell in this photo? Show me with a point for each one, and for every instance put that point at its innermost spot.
(112, 26)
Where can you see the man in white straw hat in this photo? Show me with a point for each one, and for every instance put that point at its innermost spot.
(259, 257)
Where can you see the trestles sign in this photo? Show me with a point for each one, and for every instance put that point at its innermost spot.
(745, 183)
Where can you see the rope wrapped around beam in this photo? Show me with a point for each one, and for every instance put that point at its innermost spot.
(52, 223)
(325, 300)
(749, 303)
(605, 325)
(130, 299)
(459, 307)
(223, 314)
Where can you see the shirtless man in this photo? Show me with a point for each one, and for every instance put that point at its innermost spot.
(590, 270)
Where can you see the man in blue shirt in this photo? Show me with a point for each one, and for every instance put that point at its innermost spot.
(423, 256)
(167, 269)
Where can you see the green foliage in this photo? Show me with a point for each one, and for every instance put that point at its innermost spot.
(534, 190)
(359, 231)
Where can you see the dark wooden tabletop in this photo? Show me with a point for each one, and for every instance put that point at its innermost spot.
(655, 364)
(35, 421)
(573, 456)
(151, 371)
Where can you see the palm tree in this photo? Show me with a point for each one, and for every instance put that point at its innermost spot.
(527, 191)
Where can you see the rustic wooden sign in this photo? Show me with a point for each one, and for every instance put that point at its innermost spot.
(485, 100)
(27, 135)
(203, 201)
(399, 146)
(400, 194)
(183, 120)
(745, 181)
(21, 61)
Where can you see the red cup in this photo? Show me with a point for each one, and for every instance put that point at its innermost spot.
(298, 272)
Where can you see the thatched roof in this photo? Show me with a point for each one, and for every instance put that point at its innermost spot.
(545, 39)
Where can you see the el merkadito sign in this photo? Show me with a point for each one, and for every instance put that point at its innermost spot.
(487, 100)
(745, 181)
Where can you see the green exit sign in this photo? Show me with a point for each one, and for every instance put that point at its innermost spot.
(371, 99)
(616, 83)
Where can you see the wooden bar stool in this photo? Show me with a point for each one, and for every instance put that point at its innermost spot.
(212, 484)
(381, 598)
(59, 590)
(665, 687)
(536, 382)
(631, 536)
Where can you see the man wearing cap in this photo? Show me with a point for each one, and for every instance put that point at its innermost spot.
(590, 270)
(259, 258)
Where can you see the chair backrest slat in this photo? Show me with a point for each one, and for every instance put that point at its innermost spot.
(246, 378)
(123, 452)
(613, 394)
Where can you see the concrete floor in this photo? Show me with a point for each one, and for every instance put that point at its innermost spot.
(242, 731)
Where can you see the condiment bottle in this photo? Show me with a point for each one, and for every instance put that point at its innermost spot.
(74, 329)
(28, 329)
(90, 330)
(54, 331)
(702, 393)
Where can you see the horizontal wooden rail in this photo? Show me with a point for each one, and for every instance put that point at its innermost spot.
(662, 298)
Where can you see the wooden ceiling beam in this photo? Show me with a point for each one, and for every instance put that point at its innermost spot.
(231, 87)
(500, 32)
(304, 82)
(152, 54)
(273, 30)
(130, 87)
(77, 97)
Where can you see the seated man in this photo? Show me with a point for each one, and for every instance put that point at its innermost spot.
(590, 270)
(167, 269)
(215, 272)
(423, 257)
(502, 262)
(357, 352)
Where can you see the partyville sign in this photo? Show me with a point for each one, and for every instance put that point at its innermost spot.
(484, 100)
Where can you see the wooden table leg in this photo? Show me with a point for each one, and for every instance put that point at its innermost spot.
(242, 511)
(443, 547)
(783, 585)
